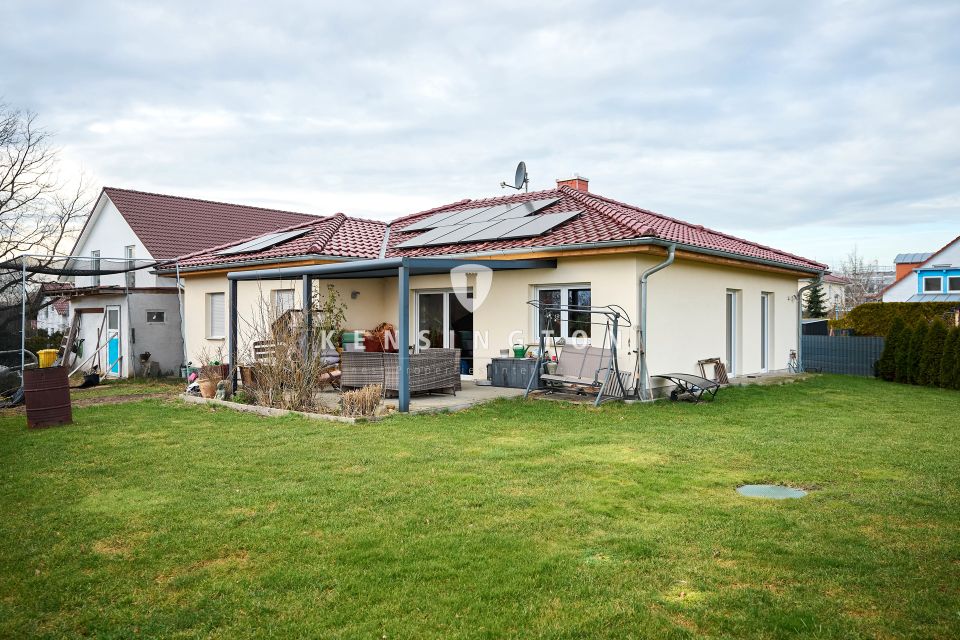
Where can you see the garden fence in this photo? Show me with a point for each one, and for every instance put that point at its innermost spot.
(850, 355)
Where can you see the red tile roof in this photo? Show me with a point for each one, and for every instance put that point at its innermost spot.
(171, 226)
(336, 235)
(601, 220)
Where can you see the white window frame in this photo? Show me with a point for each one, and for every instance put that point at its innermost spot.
(95, 266)
(209, 320)
(564, 320)
(924, 284)
(731, 325)
(278, 308)
(149, 321)
(130, 277)
(950, 288)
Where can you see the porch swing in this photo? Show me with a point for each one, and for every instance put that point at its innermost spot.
(586, 369)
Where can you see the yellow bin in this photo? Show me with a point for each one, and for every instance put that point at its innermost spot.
(47, 357)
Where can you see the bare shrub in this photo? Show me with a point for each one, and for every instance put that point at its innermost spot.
(364, 401)
(285, 374)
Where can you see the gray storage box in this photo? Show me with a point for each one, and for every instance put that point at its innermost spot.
(513, 372)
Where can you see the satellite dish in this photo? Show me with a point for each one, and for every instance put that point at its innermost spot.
(520, 178)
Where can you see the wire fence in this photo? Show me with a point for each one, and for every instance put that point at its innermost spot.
(849, 355)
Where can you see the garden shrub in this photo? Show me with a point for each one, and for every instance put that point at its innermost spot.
(902, 355)
(887, 364)
(916, 351)
(876, 318)
(932, 354)
(950, 362)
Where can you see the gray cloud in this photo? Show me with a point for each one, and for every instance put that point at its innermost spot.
(811, 126)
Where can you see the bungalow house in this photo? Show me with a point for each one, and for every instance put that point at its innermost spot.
(122, 315)
(708, 294)
(933, 277)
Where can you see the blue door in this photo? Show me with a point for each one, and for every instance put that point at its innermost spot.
(113, 340)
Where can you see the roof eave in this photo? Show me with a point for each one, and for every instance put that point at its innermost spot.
(636, 242)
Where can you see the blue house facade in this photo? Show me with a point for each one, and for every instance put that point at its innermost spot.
(935, 279)
(937, 285)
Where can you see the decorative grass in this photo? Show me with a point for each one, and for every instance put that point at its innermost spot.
(157, 519)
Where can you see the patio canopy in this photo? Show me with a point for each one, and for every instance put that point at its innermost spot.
(402, 268)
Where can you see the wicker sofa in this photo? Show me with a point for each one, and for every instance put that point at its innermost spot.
(431, 370)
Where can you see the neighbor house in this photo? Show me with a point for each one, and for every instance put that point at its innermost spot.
(122, 316)
(720, 296)
(834, 293)
(932, 277)
(54, 314)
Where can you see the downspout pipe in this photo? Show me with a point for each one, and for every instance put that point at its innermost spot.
(812, 285)
(644, 381)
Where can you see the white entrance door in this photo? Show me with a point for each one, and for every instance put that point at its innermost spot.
(113, 340)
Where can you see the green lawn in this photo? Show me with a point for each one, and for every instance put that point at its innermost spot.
(514, 519)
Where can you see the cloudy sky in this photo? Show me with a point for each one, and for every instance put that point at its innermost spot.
(811, 126)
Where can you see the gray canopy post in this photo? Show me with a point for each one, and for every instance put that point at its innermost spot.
(403, 329)
(307, 317)
(233, 335)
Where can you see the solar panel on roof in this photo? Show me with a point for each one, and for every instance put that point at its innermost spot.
(443, 219)
(458, 233)
(263, 242)
(539, 225)
(528, 208)
(479, 214)
(425, 237)
(496, 230)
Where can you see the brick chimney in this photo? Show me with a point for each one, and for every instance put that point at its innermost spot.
(578, 182)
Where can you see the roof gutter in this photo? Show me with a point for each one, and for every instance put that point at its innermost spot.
(644, 381)
(252, 263)
(639, 242)
(815, 283)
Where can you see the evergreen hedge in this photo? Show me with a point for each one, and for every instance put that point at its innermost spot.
(950, 363)
(932, 354)
(887, 364)
(876, 318)
(927, 354)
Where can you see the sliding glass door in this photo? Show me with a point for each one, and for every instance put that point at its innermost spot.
(443, 322)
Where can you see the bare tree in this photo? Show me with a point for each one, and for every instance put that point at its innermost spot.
(39, 211)
(865, 279)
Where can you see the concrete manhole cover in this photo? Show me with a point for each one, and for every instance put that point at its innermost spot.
(771, 491)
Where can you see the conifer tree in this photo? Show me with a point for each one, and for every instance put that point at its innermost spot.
(916, 351)
(816, 306)
(902, 356)
(887, 364)
(949, 364)
(932, 354)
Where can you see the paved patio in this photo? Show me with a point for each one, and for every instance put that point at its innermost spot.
(471, 394)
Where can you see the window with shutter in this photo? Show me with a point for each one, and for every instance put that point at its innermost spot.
(216, 320)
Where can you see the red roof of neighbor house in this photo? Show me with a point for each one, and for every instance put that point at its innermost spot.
(336, 235)
(171, 226)
(601, 220)
(831, 278)
(62, 305)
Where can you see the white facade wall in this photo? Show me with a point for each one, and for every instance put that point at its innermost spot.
(110, 234)
(686, 315)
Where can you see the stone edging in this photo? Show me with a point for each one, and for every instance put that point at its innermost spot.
(274, 413)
